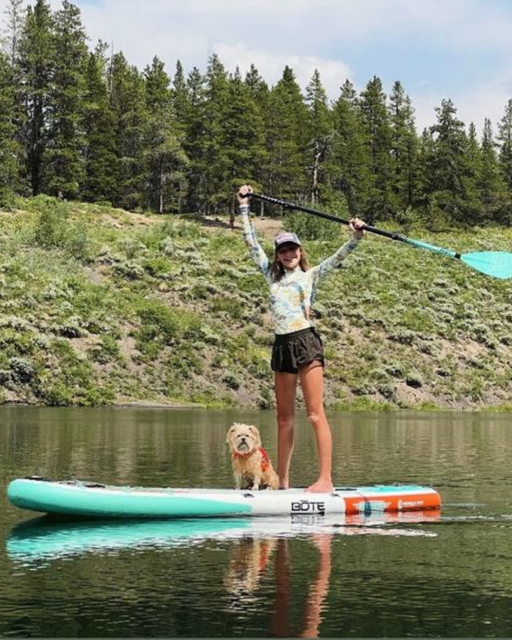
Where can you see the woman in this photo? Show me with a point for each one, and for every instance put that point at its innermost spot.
(297, 352)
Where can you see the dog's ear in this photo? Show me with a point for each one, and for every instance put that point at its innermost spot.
(255, 432)
(231, 430)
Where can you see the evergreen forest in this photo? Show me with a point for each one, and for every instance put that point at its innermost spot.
(82, 123)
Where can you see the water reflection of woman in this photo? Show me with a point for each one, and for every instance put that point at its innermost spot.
(250, 560)
(280, 624)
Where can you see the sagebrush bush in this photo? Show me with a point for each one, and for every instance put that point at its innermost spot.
(310, 227)
(161, 324)
(54, 229)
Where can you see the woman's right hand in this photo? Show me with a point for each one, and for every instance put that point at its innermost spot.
(244, 190)
(357, 227)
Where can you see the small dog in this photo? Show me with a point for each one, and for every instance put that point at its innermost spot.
(251, 465)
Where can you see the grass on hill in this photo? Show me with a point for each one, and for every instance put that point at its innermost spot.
(101, 306)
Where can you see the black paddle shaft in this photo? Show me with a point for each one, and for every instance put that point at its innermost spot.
(321, 214)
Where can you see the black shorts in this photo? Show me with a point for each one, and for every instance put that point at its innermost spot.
(294, 350)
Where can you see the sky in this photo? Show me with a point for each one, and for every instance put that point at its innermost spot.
(438, 49)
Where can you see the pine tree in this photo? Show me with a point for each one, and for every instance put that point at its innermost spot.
(426, 161)
(64, 169)
(258, 95)
(474, 164)
(451, 189)
(473, 151)
(15, 22)
(15, 124)
(184, 116)
(9, 152)
(195, 141)
(215, 162)
(100, 155)
(349, 163)
(36, 51)
(375, 118)
(286, 142)
(319, 134)
(505, 151)
(257, 86)
(404, 149)
(180, 98)
(127, 102)
(490, 184)
(164, 153)
(244, 136)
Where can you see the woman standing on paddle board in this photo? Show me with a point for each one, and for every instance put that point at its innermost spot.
(298, 351)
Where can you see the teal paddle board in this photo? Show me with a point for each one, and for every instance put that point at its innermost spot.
(96, 500)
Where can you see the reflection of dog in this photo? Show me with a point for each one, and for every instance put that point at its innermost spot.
(248, 563)
(251, 465)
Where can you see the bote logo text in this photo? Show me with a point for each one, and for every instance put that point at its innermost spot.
(308, 506)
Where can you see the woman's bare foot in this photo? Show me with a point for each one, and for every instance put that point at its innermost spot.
(321, 486)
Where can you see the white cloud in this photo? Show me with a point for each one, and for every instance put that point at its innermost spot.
(271, 66)
(472, 106)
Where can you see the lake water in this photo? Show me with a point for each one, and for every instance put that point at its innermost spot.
(429, 575)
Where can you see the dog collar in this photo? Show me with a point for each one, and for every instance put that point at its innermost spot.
(265, 461)
(243, 455)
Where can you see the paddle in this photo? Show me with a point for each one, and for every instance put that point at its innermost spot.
(497, 264)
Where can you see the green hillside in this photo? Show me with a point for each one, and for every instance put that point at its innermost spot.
(102, 306)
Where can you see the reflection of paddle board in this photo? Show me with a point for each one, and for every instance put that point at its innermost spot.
(91, 499)
(47, 538)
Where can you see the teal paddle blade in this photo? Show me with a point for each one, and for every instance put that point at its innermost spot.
(497, 264)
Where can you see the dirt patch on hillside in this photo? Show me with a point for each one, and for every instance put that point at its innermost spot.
(267, 227)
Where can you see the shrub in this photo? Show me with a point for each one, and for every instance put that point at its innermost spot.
(161, 324)
(395, 369)
(22, 370)
(483, 334)
(106, 350)
(404, 336)
(388, 391)
(234, 308)
(132, 248)
(379, 374)
(59, 395)
(231, 380)
(94, 396)
(366, 403)
(50, 228)
(414, 379)
(129, 269)
(363, 389)
(71, 328)
(77, 241)
(53, 228)
(158, 267)
(310, 227)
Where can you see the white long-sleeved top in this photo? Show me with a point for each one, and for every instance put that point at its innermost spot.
(292, 297)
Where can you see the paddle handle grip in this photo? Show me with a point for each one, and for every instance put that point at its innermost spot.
(321, 214)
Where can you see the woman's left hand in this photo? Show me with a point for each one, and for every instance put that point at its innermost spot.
(357, 227)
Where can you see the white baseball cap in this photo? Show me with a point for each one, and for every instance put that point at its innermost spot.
(287, 237)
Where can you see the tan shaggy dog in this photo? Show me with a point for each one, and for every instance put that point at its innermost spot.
(251, 465)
